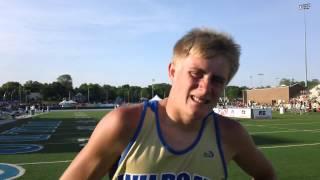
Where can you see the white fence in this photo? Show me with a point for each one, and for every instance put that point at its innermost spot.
(248, 113)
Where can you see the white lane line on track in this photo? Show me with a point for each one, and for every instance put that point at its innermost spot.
(286, 131)
(59, 143)
(48, 162)
(80, 115)
(262, 125)
(283, 130)
(261, 147)
(288, 146)
(278, 128)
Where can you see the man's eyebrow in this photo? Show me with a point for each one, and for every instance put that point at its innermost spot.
(197, 69)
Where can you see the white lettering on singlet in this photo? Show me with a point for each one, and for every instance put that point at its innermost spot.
(162, 176)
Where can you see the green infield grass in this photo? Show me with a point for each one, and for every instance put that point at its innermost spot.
(290, 141)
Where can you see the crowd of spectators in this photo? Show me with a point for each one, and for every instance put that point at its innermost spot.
(13, 109)
(300, 104)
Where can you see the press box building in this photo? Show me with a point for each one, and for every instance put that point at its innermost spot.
(273, 95)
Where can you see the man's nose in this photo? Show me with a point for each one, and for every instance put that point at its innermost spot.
(204, 85)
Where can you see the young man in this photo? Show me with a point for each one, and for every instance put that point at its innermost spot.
(179, 137)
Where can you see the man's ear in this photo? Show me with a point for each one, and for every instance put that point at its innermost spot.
(171, 71)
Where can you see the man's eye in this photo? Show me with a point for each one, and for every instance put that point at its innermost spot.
(196, 74)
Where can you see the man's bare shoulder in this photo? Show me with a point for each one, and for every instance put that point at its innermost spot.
(229, 125)
(234, 136)
(125, 111)
(107, 142)
(118, 126)
(125, 117)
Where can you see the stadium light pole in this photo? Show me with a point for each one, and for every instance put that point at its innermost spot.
(224, 96)
(261, 78)
(88, 95)
(152, 87)
(107, 95)
(251, 81)
(277, 83)
(12, 92)
(128, 95)
(19, 94)
(304, 7)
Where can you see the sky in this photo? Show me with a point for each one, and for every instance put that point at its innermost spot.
(120, 42)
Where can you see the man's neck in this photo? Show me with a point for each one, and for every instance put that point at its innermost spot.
(172, 116)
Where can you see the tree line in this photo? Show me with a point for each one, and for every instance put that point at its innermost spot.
(289, 82)
(62, 88)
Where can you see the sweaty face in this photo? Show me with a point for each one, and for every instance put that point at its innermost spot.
(197, 83)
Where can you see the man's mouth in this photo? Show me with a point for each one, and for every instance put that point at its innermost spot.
(199, 100)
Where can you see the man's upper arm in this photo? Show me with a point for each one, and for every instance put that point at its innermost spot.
(105, 145)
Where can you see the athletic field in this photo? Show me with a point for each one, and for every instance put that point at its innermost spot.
(44, 145)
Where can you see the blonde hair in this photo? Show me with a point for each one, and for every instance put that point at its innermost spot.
(207, 43)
